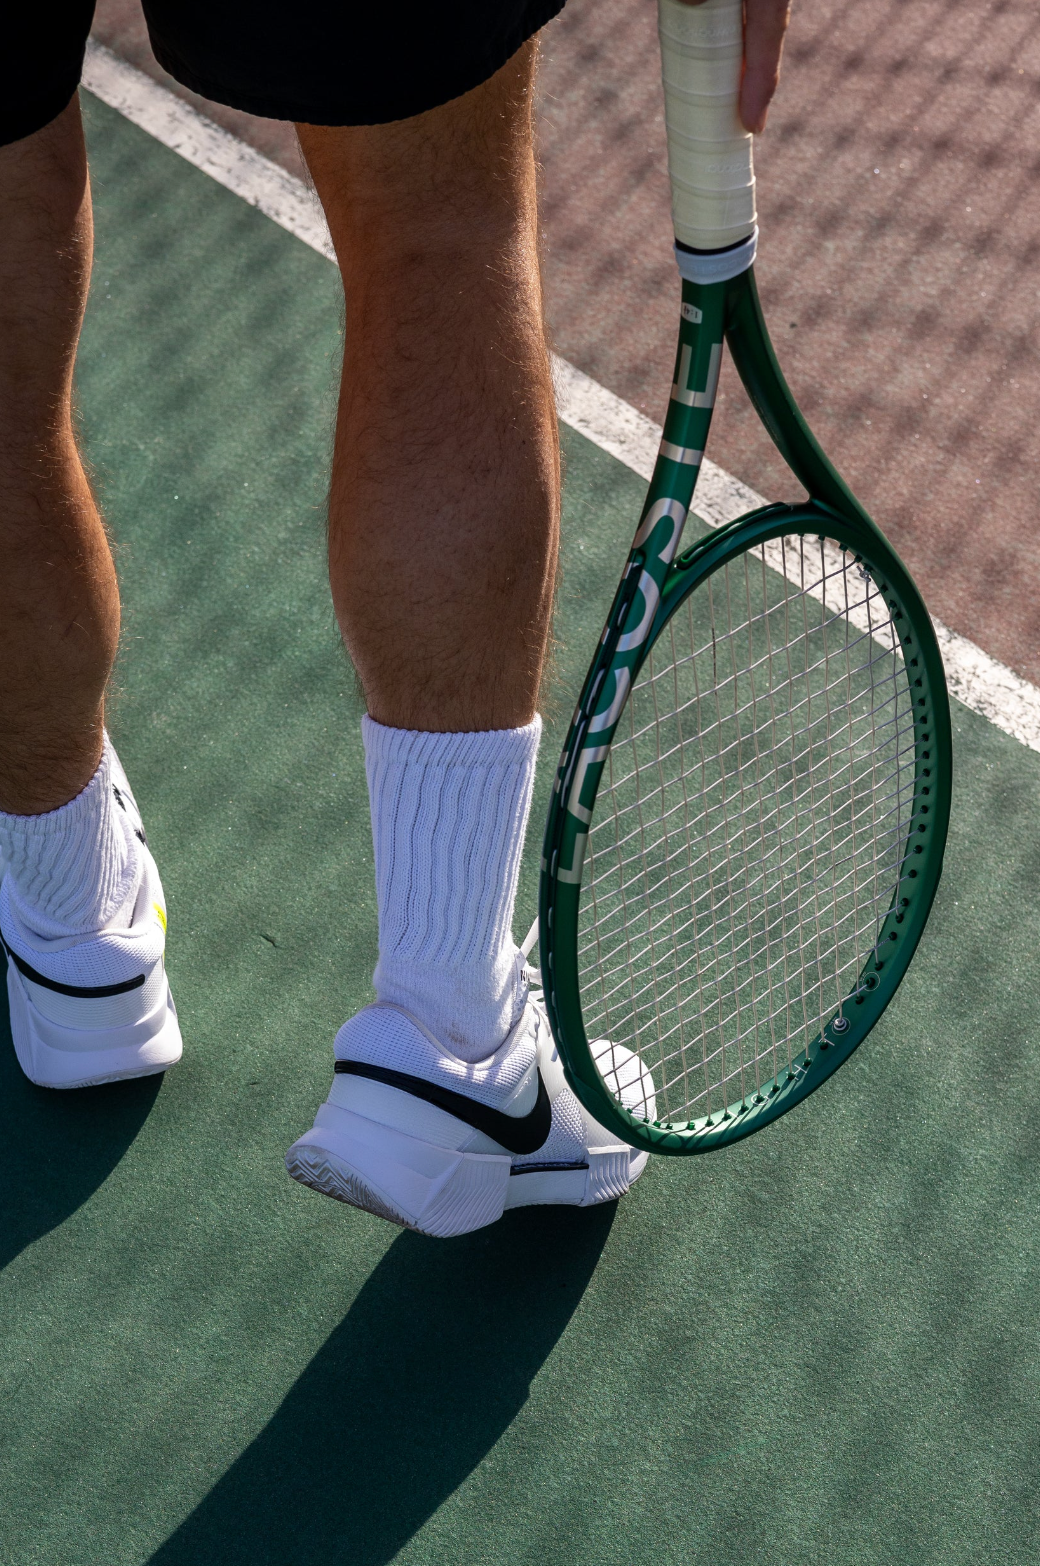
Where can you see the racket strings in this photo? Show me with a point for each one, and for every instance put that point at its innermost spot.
(750, 828)
(673, 794)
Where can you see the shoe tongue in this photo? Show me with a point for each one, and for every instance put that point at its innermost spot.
(523, 985)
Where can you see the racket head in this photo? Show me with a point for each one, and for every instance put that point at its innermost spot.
(738, 869)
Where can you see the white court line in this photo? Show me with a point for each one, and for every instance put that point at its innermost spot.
(976, 679)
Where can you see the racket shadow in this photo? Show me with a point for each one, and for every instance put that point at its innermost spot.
(429, 1367)
(56, 1149)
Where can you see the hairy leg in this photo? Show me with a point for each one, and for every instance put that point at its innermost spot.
(444, 508)
(59, 604)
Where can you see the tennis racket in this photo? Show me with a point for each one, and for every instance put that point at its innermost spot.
(751, 807)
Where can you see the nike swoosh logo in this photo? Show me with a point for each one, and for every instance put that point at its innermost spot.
(80, 991)
(516, 1133)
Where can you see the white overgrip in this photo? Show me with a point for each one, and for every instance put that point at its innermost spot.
(709, 151)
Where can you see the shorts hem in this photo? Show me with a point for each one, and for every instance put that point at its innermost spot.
(16, 127)
(377, 112)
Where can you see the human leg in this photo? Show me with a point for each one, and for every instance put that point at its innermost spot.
(444, 504)
(59, 604)
(443, 527)
(81, 907)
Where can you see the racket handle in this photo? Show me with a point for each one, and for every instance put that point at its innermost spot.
(709, 151)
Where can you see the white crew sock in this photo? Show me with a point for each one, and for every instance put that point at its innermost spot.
(449, 812)
(75, 870)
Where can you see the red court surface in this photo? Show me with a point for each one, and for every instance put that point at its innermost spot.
(900, 263)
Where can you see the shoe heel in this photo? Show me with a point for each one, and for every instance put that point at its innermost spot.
(56, 1057)
(417, 1184)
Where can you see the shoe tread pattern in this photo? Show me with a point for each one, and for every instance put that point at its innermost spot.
(609, 1177)
(328, 1175)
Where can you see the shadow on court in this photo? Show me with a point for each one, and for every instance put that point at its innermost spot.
(56, 1149)
(431, 1364)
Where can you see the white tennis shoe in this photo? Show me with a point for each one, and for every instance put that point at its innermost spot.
(415, 1135)
(97, 1010)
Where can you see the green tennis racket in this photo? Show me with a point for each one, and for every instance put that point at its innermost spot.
(750, 812)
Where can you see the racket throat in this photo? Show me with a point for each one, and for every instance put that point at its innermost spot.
(695, 383)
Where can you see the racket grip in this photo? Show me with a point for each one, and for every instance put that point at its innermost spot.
(709, 151)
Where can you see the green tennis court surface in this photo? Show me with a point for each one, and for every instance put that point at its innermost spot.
(820, 1346)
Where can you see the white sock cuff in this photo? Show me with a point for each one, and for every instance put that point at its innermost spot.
(72, 868)
(449, 812)
(422, 747)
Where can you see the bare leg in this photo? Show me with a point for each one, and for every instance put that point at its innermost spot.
(445, 486)
(59, 604)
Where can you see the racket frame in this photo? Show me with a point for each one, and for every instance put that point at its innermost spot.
(655, 581)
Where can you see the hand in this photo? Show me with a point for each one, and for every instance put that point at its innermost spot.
(765, 23)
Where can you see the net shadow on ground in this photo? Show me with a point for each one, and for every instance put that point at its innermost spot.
(56, 1149)
(429, 1367)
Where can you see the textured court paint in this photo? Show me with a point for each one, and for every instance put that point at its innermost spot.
(817, 1350)
(981, 682)
(898, 264)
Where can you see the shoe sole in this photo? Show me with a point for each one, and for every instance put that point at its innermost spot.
(416, 1184)
(609, 1174)
(50, 1067)
(330, 1176)
(436, 1190)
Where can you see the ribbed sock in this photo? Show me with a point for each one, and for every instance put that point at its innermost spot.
(449, 813)
(75, 870)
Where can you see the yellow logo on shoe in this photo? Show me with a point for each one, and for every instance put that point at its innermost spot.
(161, 914)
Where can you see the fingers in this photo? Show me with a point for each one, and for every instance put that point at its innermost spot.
(765, 23)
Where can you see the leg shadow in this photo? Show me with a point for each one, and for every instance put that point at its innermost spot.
(430, 1365)
(57, 1148)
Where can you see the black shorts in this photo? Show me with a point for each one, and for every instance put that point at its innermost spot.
(322, 62)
